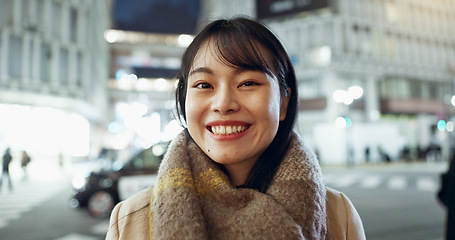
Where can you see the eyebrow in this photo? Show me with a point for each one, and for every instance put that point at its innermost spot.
(201, 70)
(209, 71)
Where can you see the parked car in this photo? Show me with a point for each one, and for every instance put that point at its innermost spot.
(99, 191)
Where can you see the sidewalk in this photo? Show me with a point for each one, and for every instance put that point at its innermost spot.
(38, 173)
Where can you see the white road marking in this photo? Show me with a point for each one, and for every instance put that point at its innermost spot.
(75, 236)
(370, 182)
(397, 183)
(426, 184)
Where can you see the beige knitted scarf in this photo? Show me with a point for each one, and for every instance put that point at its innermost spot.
(194, 199)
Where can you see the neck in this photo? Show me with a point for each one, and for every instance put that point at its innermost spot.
(238, 174)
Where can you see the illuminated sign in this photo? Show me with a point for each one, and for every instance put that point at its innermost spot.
(274, 8)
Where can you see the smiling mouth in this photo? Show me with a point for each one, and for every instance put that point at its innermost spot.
(227, 130)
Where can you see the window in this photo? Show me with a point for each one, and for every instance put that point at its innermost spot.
(79, 69)
(433, 91)
(310, 88)
(45, 63)
(56, 24)
(15, 57)
(416, 89)
(149, 159)
(6, 15)
(73, 28)
(39, 13)
(389, 46)
(63, 67)
(394, 87)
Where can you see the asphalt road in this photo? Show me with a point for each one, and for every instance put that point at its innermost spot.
(394, 201)
(38, 208)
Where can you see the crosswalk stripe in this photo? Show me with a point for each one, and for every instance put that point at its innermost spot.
(426, 184)
(397, 183)
(346, 181)
(13, 205)
(23, 199)
(370, 182)
(3, 223)
(100, 228)
(10, 215)
(75, 236)
(328, 178)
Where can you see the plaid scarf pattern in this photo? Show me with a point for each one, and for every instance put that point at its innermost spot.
(194, 199)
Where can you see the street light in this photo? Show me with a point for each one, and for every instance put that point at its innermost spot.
(346, 97)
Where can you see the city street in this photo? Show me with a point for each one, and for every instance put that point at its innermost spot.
(395, 202)
(38, 208)
(85, 86)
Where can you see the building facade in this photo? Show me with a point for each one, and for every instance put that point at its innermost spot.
(400, 52)
(53, 73)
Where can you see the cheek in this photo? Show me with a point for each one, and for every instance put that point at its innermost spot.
(193, 112)
(189, 111)
(274, 106)
(274, 114)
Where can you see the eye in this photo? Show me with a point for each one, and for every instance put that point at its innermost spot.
(248, 83)
(202, 85)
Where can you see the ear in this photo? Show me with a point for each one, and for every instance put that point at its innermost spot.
(284, 105)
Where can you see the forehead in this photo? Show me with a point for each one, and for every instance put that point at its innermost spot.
(206, 51)
(251, 56)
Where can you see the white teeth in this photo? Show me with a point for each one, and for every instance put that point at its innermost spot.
(226, 130)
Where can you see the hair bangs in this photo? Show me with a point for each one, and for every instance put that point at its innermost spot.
(240, 50)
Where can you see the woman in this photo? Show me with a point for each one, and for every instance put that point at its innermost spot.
(237, 171)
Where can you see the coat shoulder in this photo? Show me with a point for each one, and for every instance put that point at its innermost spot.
(343, 221)
(130, 218)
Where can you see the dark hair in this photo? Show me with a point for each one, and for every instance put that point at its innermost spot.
(236, 42)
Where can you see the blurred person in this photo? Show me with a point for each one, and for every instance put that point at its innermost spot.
(5, 168)
(385, 157)
(367, 154)
(61, 159)
(446, 196)
(25, 160)
(237, 171)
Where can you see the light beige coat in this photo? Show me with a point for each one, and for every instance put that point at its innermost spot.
(130, 218)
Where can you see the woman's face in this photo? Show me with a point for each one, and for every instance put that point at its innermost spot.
(232, 114)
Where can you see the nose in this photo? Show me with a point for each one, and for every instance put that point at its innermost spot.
(225, 101)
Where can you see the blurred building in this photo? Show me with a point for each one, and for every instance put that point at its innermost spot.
(72, 74)
(53, 71)
(141, 85)
(147, 39)
(401, 53)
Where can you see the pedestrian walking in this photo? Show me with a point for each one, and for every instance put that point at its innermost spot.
(5, 169)
(25, 160)
(367, 154)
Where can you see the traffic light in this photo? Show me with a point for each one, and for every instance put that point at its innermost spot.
(343, 122)
(441, 125)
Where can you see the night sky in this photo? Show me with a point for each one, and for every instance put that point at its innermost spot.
(157, 16)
